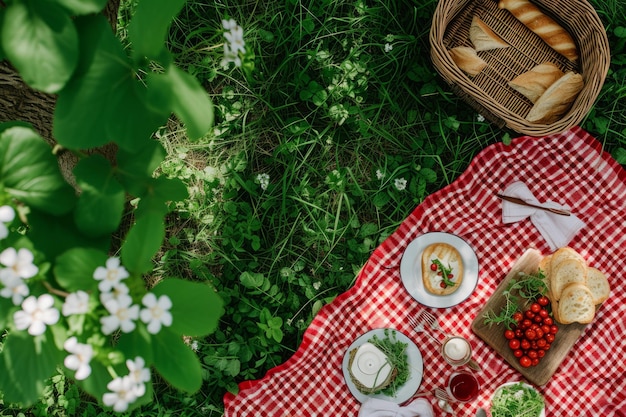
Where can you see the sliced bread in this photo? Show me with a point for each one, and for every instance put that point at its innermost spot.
(566, 272)
(576, 304)
(564, 253)
(598, 284)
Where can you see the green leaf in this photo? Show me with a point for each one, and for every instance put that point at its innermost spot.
(159, 191)
(101, 202)
(149, 26)
(142, 242)
(66, 236)
(40, 40)
(80, 7)
(189, 100)
(30, 173)
(251, 279)
(137, 343)
(619, 155)
(25, 364)
(196, 308)
(428, 174)
(74, 268)
(176, 362)
(104, 102)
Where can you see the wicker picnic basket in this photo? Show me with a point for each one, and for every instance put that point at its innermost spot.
(488, 92)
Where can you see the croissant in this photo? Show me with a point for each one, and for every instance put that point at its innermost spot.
(544, 26)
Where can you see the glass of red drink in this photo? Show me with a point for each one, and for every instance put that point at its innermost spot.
(463, 386)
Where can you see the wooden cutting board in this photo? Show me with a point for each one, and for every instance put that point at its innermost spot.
(493, 335)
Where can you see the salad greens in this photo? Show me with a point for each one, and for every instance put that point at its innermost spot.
(398, 359)
(516, 400)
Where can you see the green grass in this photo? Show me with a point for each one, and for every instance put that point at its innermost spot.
(320, 108)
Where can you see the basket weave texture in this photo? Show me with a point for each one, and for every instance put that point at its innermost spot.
(488, 92)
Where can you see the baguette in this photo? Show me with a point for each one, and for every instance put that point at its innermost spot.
(598, 284)
(544, 26)
(533, 83)
(567, 272)
(467, 59)
(557, 99)
(483, 37)
(576, 305)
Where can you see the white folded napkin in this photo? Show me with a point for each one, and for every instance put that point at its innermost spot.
(374, 407)
(556, 229)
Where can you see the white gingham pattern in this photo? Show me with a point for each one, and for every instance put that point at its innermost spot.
(569, 168)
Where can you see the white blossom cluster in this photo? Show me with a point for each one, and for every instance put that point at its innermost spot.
(125, 390)
(234, 43)
(263, 180)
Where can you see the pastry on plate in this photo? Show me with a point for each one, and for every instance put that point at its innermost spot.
(442, 269)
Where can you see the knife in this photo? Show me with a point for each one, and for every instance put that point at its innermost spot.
(521, 202)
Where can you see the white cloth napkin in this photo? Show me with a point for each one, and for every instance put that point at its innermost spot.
(556, 229)
(374, 407)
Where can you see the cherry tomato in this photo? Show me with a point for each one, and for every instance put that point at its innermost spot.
(538, 334)
(541, 343)
(525, 361)
(433, 267)
(543, 301)
(541, 353)
(529, 314)
(545, 329)
(530, 334)
(514, 344)
(518, 353)
(535, 362)
(535, 308)
(548, 321)
(549, 338)
(538, 318)
(519, 333)
(532, 354)
(525, 344)
(526, 323)
(509, 334)
(517, 316)
(450, 276)
(554, 329)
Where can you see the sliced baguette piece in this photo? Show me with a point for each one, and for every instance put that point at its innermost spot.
(483, 37)
(576, 305)
(564, 253)
(467, 59)
(534, 82)
(598, 284)
(557, 99)
(566, 272)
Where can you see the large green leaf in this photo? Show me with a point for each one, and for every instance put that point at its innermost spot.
(135, 169)
(30, 173)
(74, 268)
(40, 40)
(196, 307)
(189, 100)
(78, 7)
(142, 242)
(137, 343)
(149, 26)
(176, 362)
(25, 364)
(101, 202)
(158, 192)
(104, 102)
(53, 235)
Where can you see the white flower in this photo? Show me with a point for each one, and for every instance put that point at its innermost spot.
(138, 373)
(35, 314)
(317, 285)
(480, 118)
(229, 24)
(14, 287)
(157, 312)
(122, 315)
(7, 214)
(263, 180)
(110, 275)
(76, 303)
(20, 262)
(123, 392)
(379, 174)
(388, 47)
(81, 354)
(234, 43)
(117, 290)
(400, 184)
(235, 38)
(195, 346)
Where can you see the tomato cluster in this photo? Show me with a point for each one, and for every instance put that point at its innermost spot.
(533, 334)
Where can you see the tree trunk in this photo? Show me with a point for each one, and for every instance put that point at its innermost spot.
(20, 102)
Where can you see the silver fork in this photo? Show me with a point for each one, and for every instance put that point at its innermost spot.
(419, 326)
(430, 319)
(445, 399)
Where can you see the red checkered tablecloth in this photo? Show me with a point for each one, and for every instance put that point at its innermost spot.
(569, 168)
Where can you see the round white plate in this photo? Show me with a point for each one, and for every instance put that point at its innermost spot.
(543, 412)
(411, 270)
(416, 367)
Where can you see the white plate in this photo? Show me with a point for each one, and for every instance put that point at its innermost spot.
(416, 367)
(411, 270)
(543, 412)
